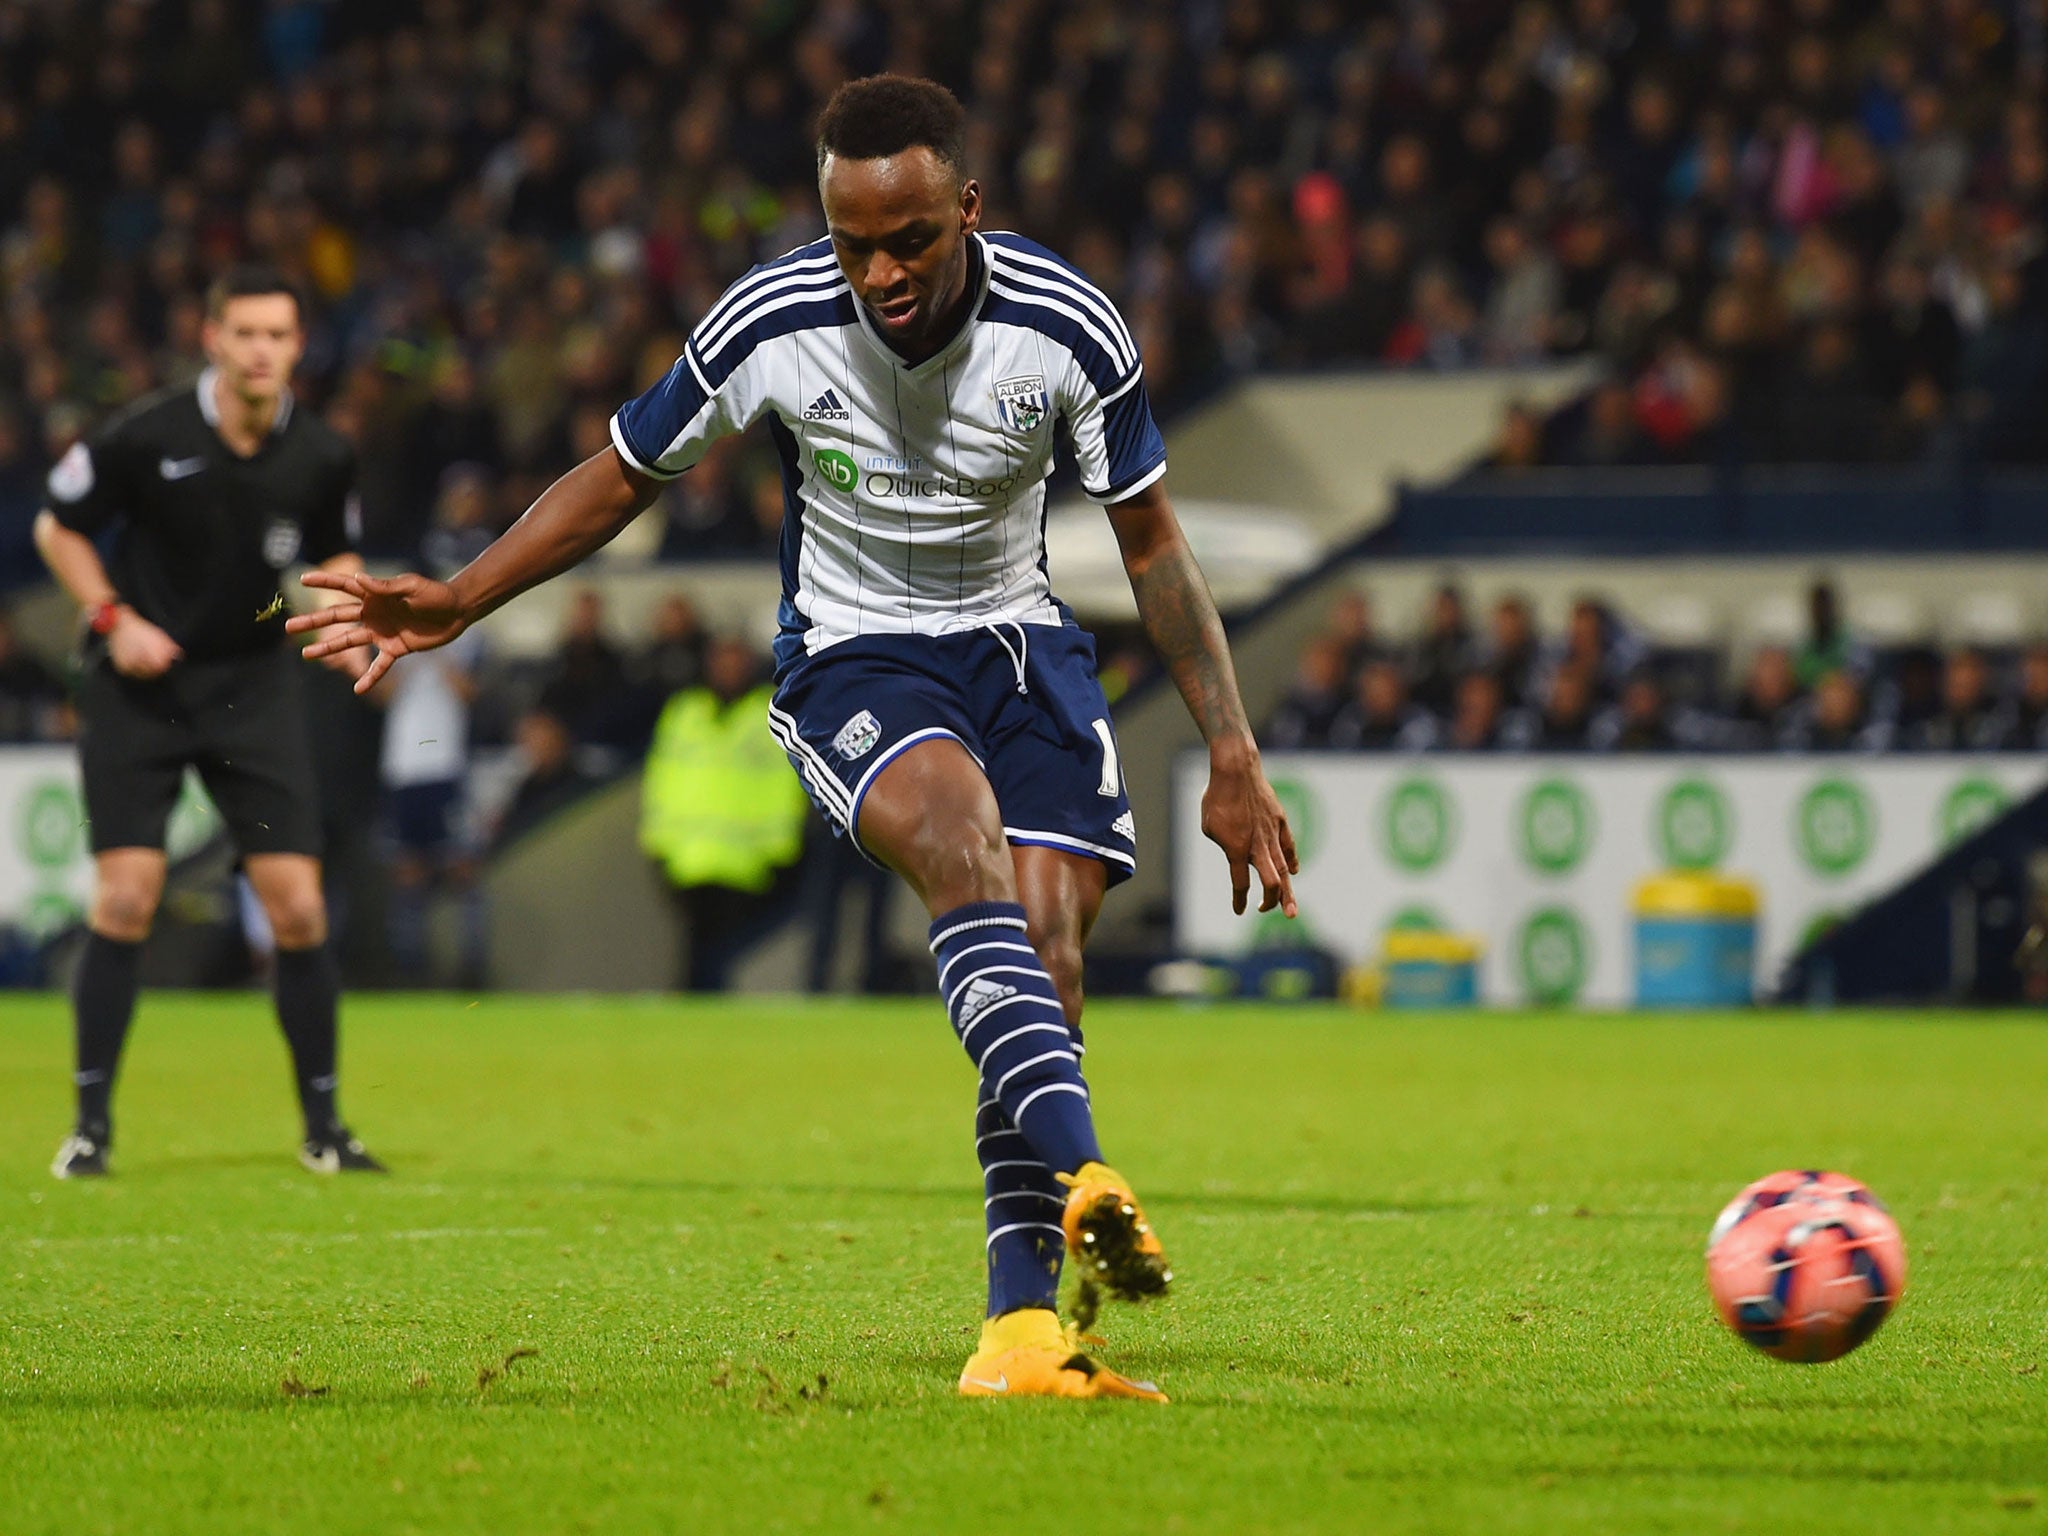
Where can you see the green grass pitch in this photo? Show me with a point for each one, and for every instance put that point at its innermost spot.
(652, 1266)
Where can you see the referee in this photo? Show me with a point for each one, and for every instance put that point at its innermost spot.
(209, 494)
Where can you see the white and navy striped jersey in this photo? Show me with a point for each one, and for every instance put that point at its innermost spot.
(914, 493)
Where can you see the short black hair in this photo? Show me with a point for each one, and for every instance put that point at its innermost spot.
(886, 114)
(250, 280)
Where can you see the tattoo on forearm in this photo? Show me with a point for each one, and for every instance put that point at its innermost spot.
(1181, 620)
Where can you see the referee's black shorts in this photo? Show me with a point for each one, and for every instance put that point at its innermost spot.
(241, 722)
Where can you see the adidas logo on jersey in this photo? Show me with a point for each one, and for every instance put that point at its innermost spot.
(827, 407)
(1125, 827)
(980, 994)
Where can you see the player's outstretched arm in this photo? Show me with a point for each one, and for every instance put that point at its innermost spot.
(1240, 812)
(576, 516)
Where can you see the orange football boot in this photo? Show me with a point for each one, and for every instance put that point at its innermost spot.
(1028, 1354)
(1113, 1244)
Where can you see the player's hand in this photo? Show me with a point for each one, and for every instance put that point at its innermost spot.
(396, 614)
(139, 649)
(1242, 816)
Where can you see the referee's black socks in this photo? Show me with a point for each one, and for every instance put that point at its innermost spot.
(308, 991)
(103, 1001)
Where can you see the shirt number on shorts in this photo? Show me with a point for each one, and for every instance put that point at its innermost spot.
(1112, 771)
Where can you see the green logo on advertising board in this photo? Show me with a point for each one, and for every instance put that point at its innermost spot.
(1555, 953)
(1299, 802)
(1557, 826)
(1418, 825)
(1417, 919)
(1695, 825)
(51, 825)
(1970, 807)
(838, 470)
(1835, 827)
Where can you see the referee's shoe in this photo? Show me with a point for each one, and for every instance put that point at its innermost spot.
(83, 1154)
(336, 1150)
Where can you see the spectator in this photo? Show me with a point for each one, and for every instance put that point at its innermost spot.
(1514, 654)
(1641, 722)
(1351, 626)
(461, 526)
(1445, 652)
(1304, 717)
(1565, 722)
(1828, 646)
(425, 773)
(1380, 718)
(2030, 712)
(1476, 718)
(722, 816)
(1768, 713)
(1839, 720)
(587, 689)
(32, 702)
(553, 780)
(1971, 719)
(1524, 300)
(674, 657)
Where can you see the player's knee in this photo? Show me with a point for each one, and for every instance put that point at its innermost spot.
(124, 907)
(298, 919)
(953, 862)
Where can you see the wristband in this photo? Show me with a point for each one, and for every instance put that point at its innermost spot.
(102, 619)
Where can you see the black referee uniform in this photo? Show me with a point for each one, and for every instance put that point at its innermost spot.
(196, 539)
(201, 540)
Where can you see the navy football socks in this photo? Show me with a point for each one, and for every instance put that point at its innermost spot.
(1008, 1017)
(1033, 1116)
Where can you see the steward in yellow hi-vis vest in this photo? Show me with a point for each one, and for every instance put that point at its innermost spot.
(720, 804)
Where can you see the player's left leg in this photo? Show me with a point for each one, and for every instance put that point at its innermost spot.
(257, 763)
(308, 1002)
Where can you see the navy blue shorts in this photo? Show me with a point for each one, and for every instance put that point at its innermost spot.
(846, 713)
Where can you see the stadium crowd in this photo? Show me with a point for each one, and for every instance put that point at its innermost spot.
(1806, 230)
(1600, 686)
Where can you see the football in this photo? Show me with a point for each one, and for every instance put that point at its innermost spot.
(1805, 1265)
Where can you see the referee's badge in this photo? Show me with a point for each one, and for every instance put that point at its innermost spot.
(280, 543)
(857, 737)
(1021, 402)
(71, 476)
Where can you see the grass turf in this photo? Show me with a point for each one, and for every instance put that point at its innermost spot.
(658, 1266)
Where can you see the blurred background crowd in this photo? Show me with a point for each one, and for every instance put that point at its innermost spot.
(1801, 230)
(1494, 683)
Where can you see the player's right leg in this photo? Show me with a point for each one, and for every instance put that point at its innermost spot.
(132, 751)
(884, 740)
(127, 885)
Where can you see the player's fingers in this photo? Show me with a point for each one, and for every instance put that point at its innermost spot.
(333, 581)
(1287, 846)
(347, 640)
(386, 586)
(322, 618)
(1269, 876)
(376, 669)
(1240, 881)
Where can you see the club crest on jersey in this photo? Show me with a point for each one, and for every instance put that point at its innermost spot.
(857, 737)
(280, 543)
(1021, 402)
(827, 407)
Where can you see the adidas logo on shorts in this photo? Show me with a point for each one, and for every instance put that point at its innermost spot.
(827, 407)
(1125, 827)
(980, 993)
